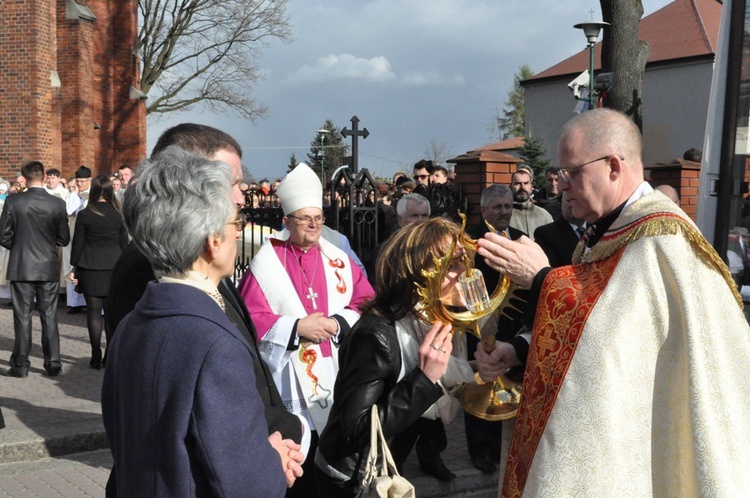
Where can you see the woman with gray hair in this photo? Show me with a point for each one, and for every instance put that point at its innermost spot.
(180, 407)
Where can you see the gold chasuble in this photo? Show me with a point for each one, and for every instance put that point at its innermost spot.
(638, 376)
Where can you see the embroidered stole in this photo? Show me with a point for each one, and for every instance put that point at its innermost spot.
(569, 295)
(315, 365)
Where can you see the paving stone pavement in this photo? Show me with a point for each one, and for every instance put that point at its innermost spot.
(54, 443)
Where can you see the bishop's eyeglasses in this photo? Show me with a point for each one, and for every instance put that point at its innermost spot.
(318, 220)
(569, 173)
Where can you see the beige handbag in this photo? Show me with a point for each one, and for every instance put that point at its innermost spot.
(382, 480)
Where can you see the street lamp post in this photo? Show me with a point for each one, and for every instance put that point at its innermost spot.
(322, 135)
(591, 29)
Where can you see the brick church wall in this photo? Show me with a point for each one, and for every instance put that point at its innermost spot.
(122, 119)
(89, 118)
(26, 99)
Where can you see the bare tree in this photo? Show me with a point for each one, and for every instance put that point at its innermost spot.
(206, 51)
(437, 152)
(625, 55)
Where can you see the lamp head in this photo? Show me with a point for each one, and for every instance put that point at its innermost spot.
(591, 29)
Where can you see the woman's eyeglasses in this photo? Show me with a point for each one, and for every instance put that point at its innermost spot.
(240, 223)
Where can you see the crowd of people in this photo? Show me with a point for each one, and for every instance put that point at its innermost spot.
(627, 330)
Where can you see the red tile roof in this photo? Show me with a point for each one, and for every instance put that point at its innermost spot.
(509, 144)
(681, 29)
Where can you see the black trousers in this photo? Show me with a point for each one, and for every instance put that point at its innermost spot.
(483, 438)
(429, 436)
(24, 296)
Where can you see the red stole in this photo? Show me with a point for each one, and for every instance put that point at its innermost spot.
(567, 297)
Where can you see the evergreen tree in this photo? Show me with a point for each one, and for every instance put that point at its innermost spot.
(534, 155)
(293, 162)
(332, 153)
(511, 123)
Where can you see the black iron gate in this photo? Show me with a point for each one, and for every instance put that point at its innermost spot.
(351, 208)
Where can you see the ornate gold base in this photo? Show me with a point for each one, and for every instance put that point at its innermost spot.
(490, 401)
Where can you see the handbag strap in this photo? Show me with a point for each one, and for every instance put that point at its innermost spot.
(378, 446)
(387, 458)
(371, 470)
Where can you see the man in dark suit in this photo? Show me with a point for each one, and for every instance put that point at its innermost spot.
(560, 238)
(549, 196)
(133, 272)
(483, 438)
(496, 205)
(32, 226)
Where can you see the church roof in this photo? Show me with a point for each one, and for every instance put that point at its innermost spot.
(682, 29)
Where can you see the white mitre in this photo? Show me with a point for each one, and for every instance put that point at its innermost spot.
(300, 189)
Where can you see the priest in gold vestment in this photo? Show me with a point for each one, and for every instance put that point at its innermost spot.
(637, 379)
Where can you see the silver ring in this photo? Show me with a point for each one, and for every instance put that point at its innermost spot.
(443, 350)
(436, 348)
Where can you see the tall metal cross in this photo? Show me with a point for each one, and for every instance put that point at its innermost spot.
(355, 133)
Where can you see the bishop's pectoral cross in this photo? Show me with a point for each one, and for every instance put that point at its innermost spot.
(312, 295)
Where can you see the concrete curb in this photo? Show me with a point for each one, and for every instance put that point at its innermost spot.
(22, 445)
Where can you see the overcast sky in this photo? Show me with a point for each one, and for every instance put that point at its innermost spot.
(412, 71)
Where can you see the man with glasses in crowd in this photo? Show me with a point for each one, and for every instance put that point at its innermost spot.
(304, 295)
(636, 378)
(422, 172)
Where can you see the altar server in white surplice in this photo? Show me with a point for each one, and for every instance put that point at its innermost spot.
(303, 294)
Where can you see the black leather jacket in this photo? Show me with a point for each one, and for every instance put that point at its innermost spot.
(370, 362)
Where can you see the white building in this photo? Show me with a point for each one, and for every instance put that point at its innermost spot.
(683, 38)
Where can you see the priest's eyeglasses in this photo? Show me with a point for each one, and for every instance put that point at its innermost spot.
(318, 220)
(240, 223)
(568, 174)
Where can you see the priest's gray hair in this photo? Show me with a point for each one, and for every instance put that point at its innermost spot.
(175, 202)
(412, 198)
(607, 132)
(494, 190)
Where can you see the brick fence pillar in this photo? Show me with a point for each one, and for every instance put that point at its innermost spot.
(683, 176)
(478, 169)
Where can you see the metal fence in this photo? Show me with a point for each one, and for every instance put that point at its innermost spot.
(351, 208)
